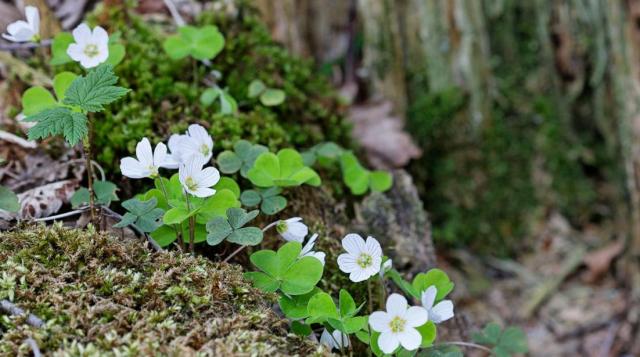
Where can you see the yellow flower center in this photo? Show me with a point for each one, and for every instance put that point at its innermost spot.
(153, 170)
(204, 149)
(91, 50)
(397, 324)
(364, 260)
(191, 184)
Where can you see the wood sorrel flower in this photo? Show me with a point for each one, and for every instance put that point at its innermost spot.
(308, 252)
(196, 180)
(292, 229)
(25, 31)
(362, 259)
(397, 326)
(442, 311)
(146, 163)
(196, 142)
(337, 339)
(91, 47)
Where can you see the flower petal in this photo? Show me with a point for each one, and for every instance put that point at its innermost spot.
(443, 311)
(416, 316)
(353, 243)
(410, 339)
(75, 52)
(33, 18)
(132, 168)
(100, 36)
(327, 340)
(144, 153)
(379, 321)
(358, 275)
(82, 34)
(208, 177)
(309, 246)
(388, 342)
(373, 247)
(429, 297)
(203, 192)
(396, 305)
(347, 263)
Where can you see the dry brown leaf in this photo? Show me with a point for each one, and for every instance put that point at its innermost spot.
(599, 261)
(46, 200)
(382, 135)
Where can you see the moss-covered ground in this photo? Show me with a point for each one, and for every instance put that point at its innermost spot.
(102, 295)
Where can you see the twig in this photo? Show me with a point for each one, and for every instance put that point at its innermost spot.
(115, 214)
(62, 215)
(14, 139)
(177, 18)
(25, 45)
(34, 347)
(11, 309)
(466, 344)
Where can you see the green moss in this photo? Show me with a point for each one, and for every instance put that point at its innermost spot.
(108, 295)
(165, 93)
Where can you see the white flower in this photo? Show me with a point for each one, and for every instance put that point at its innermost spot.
(196, 180)
(25, 31)
(307, 252)
(386, 266)
(397, 326)
(337, 339)
(196, 142)
(146, 163)
(292, 229)
(442, 311)
(362, 260)
(90, 48)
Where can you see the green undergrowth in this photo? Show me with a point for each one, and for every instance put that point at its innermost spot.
(102, 295)
(165, 92)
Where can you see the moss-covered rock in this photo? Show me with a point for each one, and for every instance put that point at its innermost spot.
(101, 295)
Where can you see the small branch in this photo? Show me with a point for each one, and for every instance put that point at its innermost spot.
(177, 18)
(24, 45)
(11, 309)
(34, 347)
(14, 139)
(61, 215)
(466, 344)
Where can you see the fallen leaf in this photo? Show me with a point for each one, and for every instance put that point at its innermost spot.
(599, 261)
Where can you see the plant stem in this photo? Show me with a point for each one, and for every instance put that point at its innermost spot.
(466, 344)
(191, 225)
(195, 72)
(175, 226)
(383, 293)
(89, 168)
(370, 302)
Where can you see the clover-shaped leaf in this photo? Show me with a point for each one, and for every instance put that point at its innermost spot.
(270, 200)
(8, 200)
(200, 43)
(322, 308)
(232, 228)
(359, 179)
(505, 343)
(268, 96)
(167, 234)
(242, 157)
(37, 99)
(143, 214)
(228, 104)
(284, 169)
(435, 277)
(285, 270)
(295, 307)
(323, 152)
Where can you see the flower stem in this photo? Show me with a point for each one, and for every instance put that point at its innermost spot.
(89, 167)
(175, 226)
(370, 302)
(191, 226)
(465, 344)
(383, 293)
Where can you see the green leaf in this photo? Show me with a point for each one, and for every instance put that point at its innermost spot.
(272, 97)
(238, 217)
(200, 43)
(347, 304)
(435, 277)
(267, 261)
(302, 276)
(287, 255)
(218, 229)
(256, 87)
(273, 205)
(227, 183)
(177, 215)
(105, 192)
(285, 169)
(176, 47)
(61, 83)
(116, 54)
(58, 121)
(8, 200)
(146, 215)
(262, 281)
(295, 307)
(406, 287)
(250, 198)
(363, 336)
(380, 181)
(228, 104)
(229, 162)
(209, 96)
(300, 329)
(80, 197)
(321, 307)
(164, 236)
(246, 236)
(505, 343)
(217, 205)
(355, 176)
(95, 90)
(59, 47)
(428, 333)
(37, 99)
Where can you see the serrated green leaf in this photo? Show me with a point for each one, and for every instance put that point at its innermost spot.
(8, 200)
(95, 90)
(58, 121)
